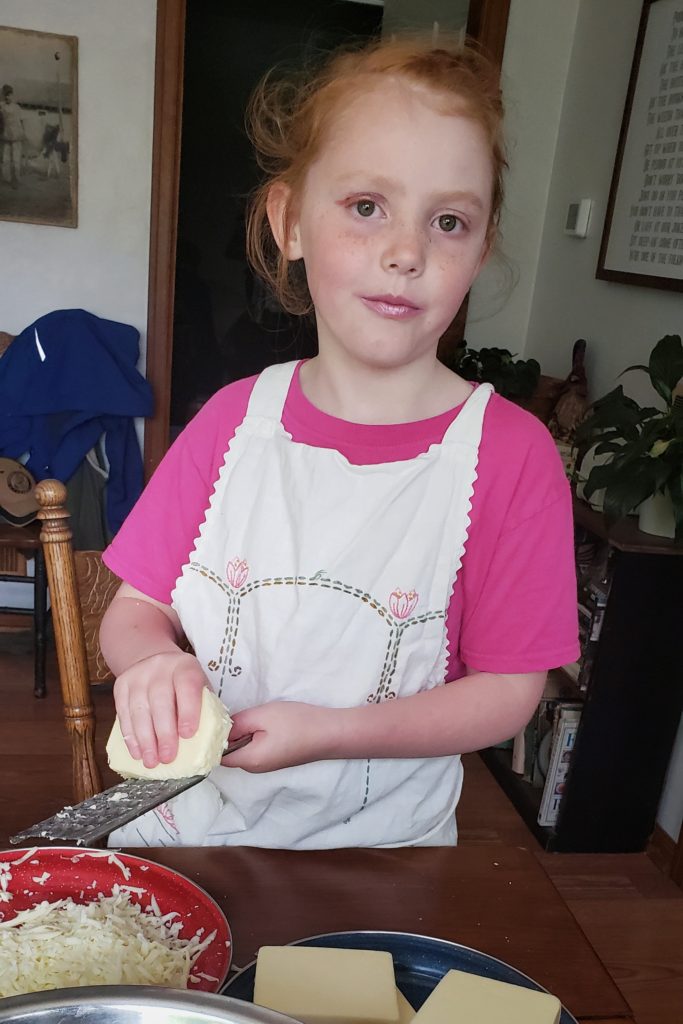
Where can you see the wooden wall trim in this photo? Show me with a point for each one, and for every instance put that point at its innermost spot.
(667, 854)
(168, 106)
(677, 863)
(487, 22)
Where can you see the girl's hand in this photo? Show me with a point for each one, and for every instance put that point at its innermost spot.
(158, 699)
(285, 733)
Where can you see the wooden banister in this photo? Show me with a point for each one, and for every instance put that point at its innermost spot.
(79, 712)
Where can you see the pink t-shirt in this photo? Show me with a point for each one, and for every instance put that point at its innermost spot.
(513, 607)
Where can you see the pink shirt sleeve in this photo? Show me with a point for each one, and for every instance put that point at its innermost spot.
(518, 598)
(157, 537)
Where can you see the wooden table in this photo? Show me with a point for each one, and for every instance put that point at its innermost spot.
(497, 899)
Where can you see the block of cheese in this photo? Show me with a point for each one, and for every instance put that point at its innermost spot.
(462, 998)
(196, 755)
(405, 1010)
(327, 986)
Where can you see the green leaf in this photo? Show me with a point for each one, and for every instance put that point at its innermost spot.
(677, 416)
(659, 448)
(636, 366)
(605, 447)
(666, 365)
(662, 474)
(598, 478)
(624, 494)
(649, 412)
(676, 492)
(656, 429)
(614, 412)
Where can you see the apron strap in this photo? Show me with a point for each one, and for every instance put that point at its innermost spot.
(268, 396)
(467, 426)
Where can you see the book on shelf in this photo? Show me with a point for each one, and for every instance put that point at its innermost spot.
(593, 577)
(566, 718)
(518, 753)
(537, 734)
(572, 670)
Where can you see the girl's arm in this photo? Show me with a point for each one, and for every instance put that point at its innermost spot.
(476, 711)
(158, 697)
(158, 689)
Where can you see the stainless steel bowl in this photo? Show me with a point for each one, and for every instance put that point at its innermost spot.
(132, 1004)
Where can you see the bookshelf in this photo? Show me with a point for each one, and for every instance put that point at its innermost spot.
(630, 680)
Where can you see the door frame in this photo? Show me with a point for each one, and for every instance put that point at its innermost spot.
(487, 22)
(166, 138)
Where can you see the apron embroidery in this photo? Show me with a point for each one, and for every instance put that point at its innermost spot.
(397, 616)
(167, 820)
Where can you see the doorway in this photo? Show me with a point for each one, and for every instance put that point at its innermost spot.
(226, 326)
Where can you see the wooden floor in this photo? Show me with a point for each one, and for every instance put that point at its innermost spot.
(630, 912)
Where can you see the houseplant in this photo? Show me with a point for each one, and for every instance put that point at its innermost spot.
(644, 444)
(516, 379)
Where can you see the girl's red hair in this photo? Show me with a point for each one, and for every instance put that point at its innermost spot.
(288, 119)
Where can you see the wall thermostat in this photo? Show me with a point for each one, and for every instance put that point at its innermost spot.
(578, 218)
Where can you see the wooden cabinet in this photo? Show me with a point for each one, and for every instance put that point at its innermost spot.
(633, 696)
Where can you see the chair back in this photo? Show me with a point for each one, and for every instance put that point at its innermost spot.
(96, 586)
(81, 587)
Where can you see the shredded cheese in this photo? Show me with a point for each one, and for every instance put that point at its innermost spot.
(111, 941)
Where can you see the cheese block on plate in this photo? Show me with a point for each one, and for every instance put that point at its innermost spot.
(462, 998)
(319, 985)
(405, 1010)
(197, 755)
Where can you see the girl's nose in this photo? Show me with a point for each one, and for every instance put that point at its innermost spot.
(404, 251)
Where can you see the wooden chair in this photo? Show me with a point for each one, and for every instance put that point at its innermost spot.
(17, 544)
(81, 588)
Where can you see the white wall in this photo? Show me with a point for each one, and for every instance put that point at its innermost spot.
(620, 322)
(565, 100)
(670, 815)
(101, 265)
(450, 15)
(535, 66)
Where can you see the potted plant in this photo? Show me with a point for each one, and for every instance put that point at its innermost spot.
(643, 444)
(516, 379)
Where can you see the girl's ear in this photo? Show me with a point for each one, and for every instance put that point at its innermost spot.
(283, 224)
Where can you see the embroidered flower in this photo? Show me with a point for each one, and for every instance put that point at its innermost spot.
(402, 604)
(165, 812)
(237, 571)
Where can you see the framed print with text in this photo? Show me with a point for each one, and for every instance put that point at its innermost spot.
(642, 241)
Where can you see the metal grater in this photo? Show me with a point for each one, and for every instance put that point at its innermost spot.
(93, 819)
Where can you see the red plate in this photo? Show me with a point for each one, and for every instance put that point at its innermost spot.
(52, 873)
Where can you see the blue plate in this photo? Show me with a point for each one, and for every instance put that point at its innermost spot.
(419, 961)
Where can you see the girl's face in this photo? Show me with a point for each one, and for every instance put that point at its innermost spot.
(392, 225)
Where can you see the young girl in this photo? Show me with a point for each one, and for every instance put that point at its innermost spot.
(340, 538)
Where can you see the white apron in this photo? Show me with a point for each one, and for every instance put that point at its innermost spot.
(317, 580)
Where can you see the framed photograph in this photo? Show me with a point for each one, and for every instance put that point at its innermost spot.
(38, 127)
(642, 241)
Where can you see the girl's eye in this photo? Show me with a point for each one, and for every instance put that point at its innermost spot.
(366, 207)
(448, 222)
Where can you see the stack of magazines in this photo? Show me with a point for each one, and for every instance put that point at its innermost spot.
(547, 744)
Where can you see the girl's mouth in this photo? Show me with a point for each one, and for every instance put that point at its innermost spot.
(394, 307)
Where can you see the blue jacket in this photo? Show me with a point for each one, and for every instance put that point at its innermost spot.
(64, 381)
